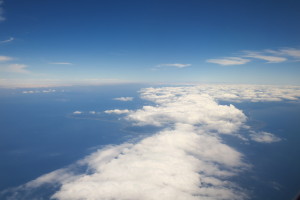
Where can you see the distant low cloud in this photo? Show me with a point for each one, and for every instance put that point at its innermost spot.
(229, 61)
(61, 63)
(77, 112)
(117, 111)
(124, 98)
(38, 91)
(264, 137)
(7, 41)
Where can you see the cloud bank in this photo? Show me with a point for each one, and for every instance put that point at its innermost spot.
(186, 160)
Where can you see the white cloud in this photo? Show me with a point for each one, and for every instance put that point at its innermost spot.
(77, 112)
(270, 59)
(271, 56)
(229, 61)
(5, 58)
(7, 41)
(124, 98)
(187, 159)
(177, 65)
(264, 137)
(61, 63)
(291, 52)
(117, 111)
(30, 92)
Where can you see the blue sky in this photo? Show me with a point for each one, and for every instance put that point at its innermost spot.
(87, 42)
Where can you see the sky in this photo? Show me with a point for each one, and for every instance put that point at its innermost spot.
(66, 42)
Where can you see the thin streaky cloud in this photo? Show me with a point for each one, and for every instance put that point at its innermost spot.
(7, 41)
(270, 59)
(229, 61)
(291, 52)
(177, 65)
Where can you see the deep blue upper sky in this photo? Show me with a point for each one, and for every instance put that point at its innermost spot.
(91, 41)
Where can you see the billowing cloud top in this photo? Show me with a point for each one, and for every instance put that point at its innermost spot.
(187, 159)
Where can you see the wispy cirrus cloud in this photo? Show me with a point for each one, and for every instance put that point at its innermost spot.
(176, 65)
(117, 111)
(7, 41)
(229, 61)
(270, 59)
(271, 56)
(290, 52)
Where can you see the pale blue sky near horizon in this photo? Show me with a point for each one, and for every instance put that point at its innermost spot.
(91, 42)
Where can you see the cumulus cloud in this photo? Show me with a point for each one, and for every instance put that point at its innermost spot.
(117, 111)
(229, 61)
(77, 112)
(124, 98)
(264, 137)
(7, 41)
(177, 65)
(187, 159)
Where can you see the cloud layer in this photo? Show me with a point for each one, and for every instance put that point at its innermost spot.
(186, 160)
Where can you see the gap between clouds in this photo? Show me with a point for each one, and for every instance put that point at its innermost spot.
(186, 160)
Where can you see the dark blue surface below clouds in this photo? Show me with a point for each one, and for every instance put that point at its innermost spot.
(40, 133)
